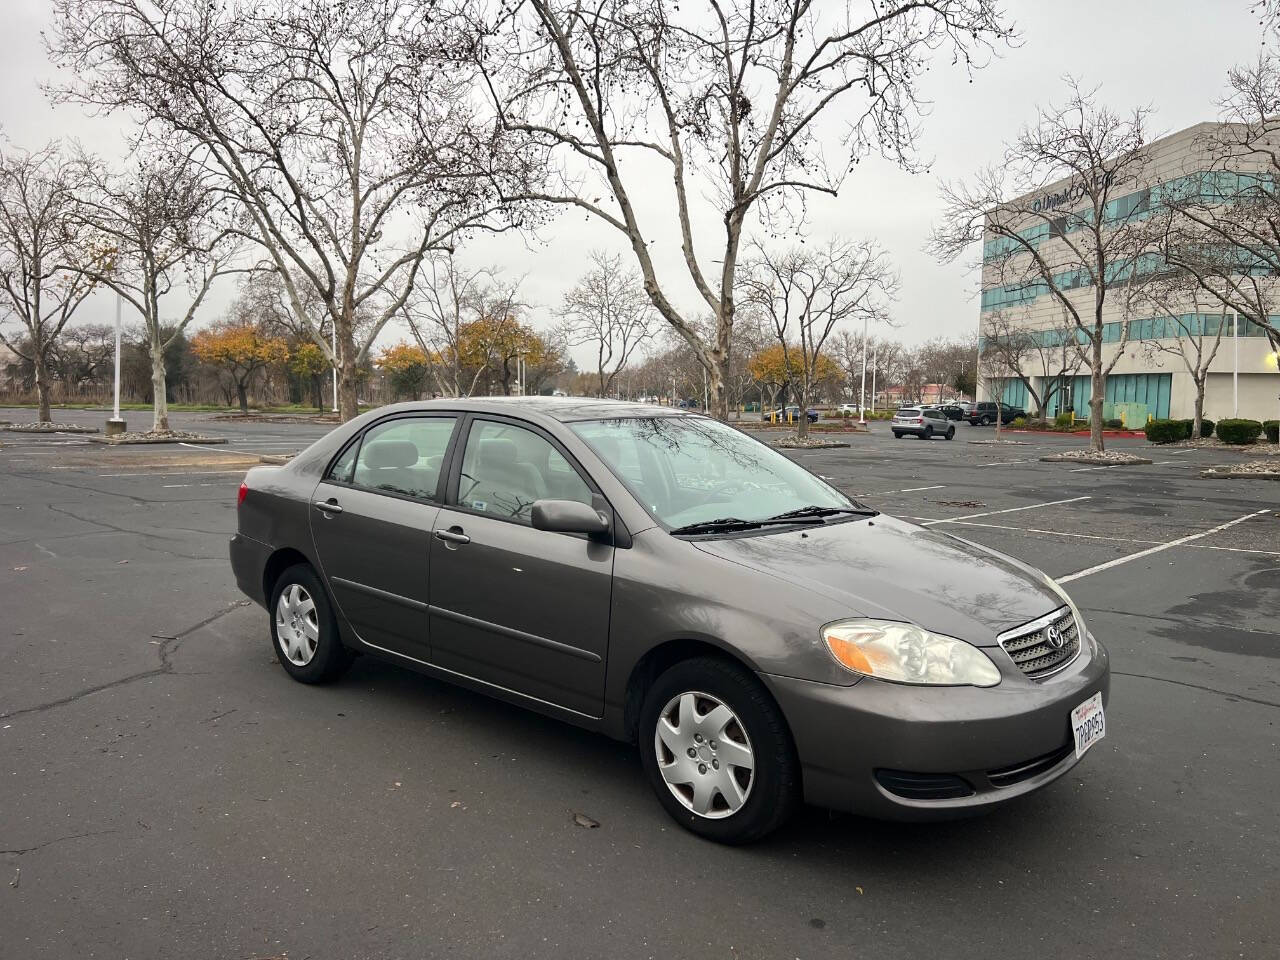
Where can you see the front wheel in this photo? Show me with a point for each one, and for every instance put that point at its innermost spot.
(717, 751)
(951, 432)
(304, 631)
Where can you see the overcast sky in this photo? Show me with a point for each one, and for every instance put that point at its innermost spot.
(1170, 54)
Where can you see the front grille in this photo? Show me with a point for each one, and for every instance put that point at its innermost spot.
(1008, 776)
(924, 786)
(1030, 648)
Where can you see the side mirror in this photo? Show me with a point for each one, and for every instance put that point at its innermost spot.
(568, 516)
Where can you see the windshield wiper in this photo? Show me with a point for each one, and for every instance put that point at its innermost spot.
(724, 524)
(818, 512)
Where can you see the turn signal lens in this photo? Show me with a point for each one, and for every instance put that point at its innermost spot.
(244, 492)
(905, 653)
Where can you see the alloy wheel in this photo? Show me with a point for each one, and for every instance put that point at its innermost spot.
(704, 755)
(297, 625)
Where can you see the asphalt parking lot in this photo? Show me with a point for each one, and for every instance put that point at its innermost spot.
(166, 790)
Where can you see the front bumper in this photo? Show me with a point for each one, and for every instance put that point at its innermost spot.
(249, 563)
(1002, 742)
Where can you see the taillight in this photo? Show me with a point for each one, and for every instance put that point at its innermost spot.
(244, 492)
(918, 420)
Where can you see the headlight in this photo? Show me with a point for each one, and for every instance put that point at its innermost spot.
(905, 653)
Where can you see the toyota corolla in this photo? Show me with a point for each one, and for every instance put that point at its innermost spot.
(666, 579)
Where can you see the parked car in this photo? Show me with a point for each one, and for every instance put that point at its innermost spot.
(984, 413)
(846, 408)
(619, 567)
(923, 422)
(789, 414)
(954, 411)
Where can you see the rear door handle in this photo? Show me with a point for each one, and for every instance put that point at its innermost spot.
(453, 535)
(328, 506)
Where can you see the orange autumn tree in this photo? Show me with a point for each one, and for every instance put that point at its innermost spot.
(239, 350)
(307, 362)
(406, 366)
(770, 368)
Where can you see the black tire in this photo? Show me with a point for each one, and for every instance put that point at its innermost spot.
(928, 433)
(951, 432)
(986, 421)
(897, 435)
(774, 791)
(330, 659)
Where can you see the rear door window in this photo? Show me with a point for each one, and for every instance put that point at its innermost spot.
(404, 456)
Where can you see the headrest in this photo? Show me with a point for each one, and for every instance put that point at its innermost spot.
(497, 453)
(389, 453)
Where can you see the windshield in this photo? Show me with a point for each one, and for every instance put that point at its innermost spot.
(690, 470)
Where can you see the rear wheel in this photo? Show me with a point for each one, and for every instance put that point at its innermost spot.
(303, 629)
(951, 432)
(928, 433)
(986, 421)
(897, 434)
(717, 751)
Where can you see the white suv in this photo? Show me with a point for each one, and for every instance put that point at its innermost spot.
(923, 422)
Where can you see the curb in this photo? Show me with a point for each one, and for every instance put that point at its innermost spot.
(202, 441)
(275, 459)
(1058, 458)
(825, 445)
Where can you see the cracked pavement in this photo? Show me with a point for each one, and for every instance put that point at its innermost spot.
(166, 791)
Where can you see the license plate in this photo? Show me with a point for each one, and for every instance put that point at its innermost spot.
(1088, 723)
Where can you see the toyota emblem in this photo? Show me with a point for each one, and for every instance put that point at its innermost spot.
(1055, 638)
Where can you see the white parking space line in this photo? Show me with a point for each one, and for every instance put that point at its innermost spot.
(993, 513)
(885, 493)
(1088, 571)
(177, 473)
(174, 486)
(1003, 463)
(1108, 466)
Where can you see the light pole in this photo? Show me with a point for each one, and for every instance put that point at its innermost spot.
(334, 333)
(115, 425)
(875, 356)
(1235, 364)
(862, 397)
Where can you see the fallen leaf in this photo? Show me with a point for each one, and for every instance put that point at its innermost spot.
(859, 889)
(456, 803)
(19, 569)
(121, 561)
(582, 820)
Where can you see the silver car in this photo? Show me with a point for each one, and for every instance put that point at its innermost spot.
(925, 422)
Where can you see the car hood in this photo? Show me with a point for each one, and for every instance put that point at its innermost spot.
(888, 569)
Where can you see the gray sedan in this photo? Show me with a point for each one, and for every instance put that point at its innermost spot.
(666, 579)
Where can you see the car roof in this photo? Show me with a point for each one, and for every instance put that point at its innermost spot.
(563, 409)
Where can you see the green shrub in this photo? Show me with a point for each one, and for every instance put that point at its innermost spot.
(1166, 431)
(1113, 424)
(1206, 427)
(1065, 419)
(1239, 431)
(1272, 430)
(1018, 422)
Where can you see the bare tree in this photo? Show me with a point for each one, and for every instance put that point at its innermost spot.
(807, 293)
(43, 248)
(347, 132)
(608, 311)
(1194, 337)
(734, 94)
(157, 218)
(438, 313)
(1051, 354)
(1225, 229)
(1051, 227)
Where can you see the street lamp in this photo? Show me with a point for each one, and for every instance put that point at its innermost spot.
(115, 425)
(862, 397)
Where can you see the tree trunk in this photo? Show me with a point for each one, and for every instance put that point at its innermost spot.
(348, 385)
(242, 394)
(316, 393)
(719, 395)
(159, 389)
(1098, 388)
(1198, 417)
(42, 385)
(802, 419)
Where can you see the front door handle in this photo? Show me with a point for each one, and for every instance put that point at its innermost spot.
(453, 535)
(328, 506)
